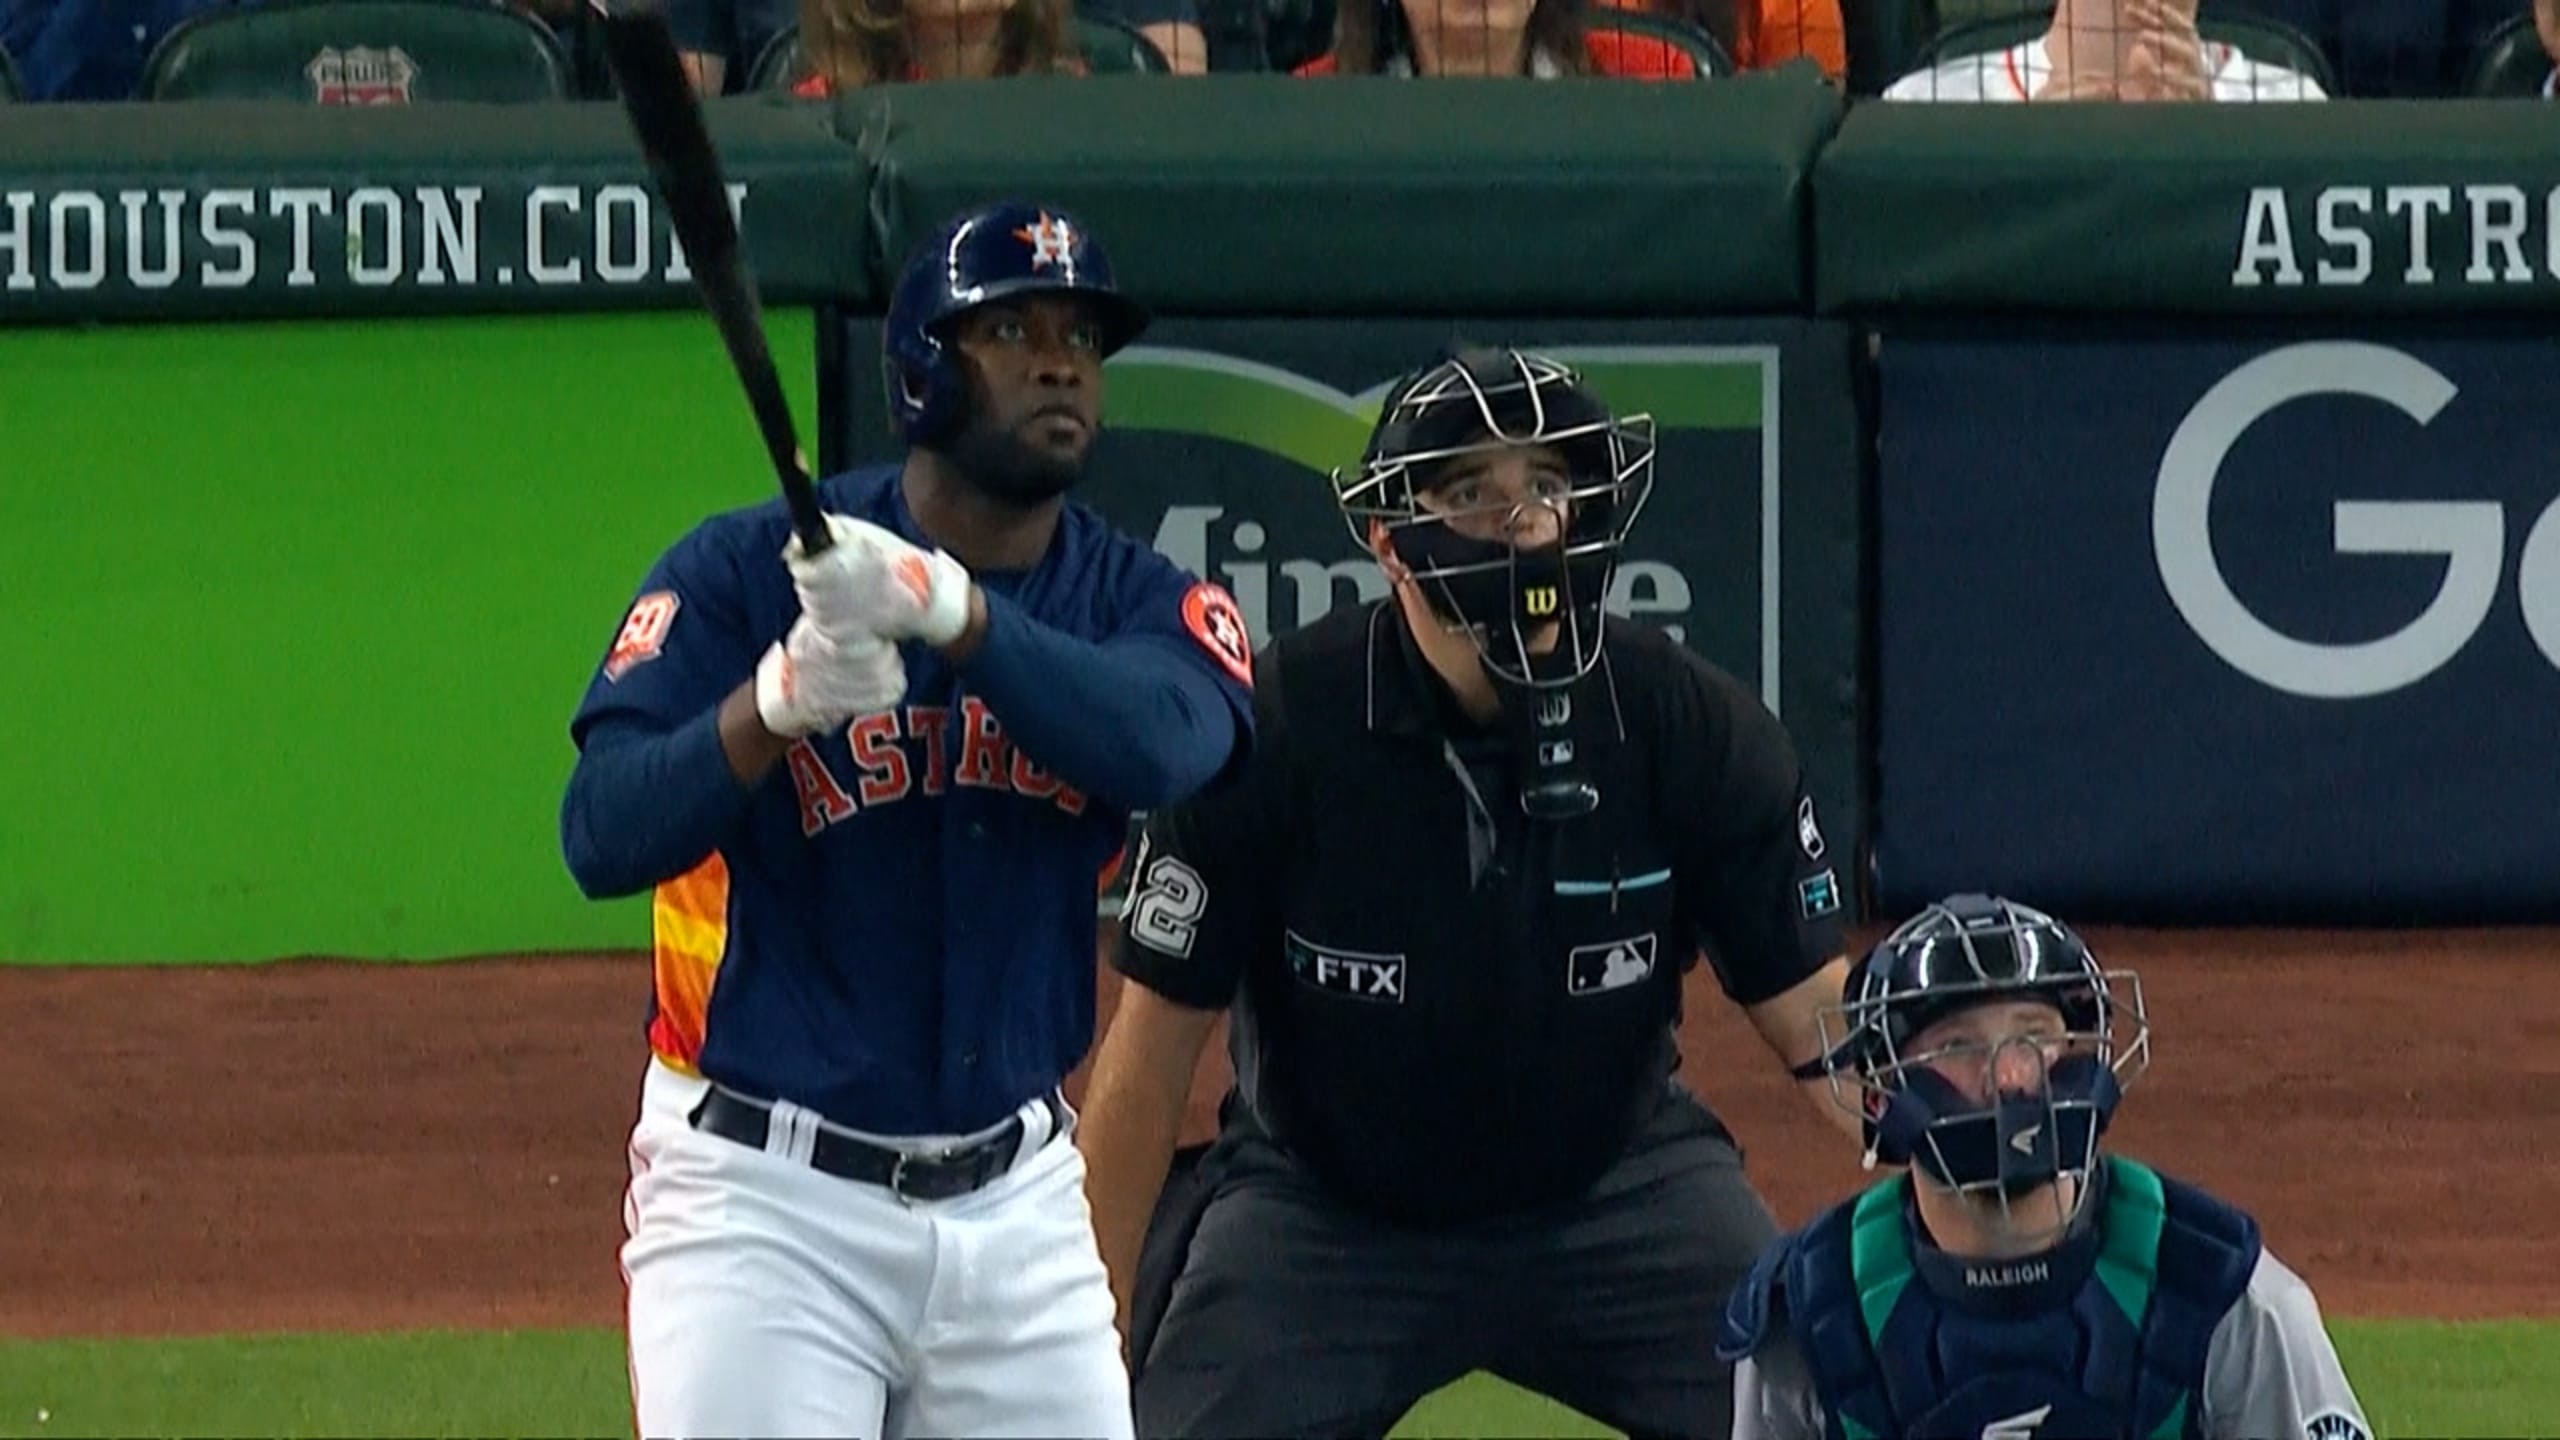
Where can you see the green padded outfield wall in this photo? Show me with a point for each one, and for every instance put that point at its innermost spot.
(2347, 210)
(1364, 196)
(231, 210)
(297, 613)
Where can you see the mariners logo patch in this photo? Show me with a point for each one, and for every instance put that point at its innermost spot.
(1210, 614)
(1818, 895)
(1808, 834)
(1609, 965)
(2334, 1425)
(644, 633)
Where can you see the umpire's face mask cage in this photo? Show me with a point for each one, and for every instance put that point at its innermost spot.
(1510, 567)
(1995, 1111)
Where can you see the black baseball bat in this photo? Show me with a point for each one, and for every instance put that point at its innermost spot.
(641, 52)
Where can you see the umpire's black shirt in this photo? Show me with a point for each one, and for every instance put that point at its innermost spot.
(1442, 1007)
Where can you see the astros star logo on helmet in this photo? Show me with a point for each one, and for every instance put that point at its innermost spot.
(1051, 240)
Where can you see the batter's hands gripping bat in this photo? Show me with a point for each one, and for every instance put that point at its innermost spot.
(641, 52)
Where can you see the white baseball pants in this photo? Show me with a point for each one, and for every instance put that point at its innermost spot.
(768, 1298)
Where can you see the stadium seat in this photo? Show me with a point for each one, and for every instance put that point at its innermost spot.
(2510, 65)
(1111, 47)
(1237, 32)
(1295, 31)
(2270, 42)
(10, 86)
(1881, 38)
(359, 52)
(1703, 49)
(1116, 47)
(1944, 17)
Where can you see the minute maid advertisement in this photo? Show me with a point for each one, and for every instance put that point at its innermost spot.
(1219, 436)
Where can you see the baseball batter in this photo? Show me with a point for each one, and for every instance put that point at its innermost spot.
(872, 793)
(2016, 1284)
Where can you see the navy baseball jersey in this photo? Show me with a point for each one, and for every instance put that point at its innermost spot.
(2160, 1315)
(898, 928)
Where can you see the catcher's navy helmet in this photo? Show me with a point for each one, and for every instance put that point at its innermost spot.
(1008, 248)
(1962, 952)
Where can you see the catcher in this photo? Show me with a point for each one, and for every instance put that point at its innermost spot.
(2016, 1285)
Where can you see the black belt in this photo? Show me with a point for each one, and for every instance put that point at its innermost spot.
(935, 1174)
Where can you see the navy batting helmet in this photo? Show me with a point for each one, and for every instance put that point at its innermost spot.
(1962, 952)
(1008, 248)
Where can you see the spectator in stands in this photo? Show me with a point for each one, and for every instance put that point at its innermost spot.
(87, 49)
(1543, 38)
(2110, 50)
(2393, 48)
(2546, 23)
(1172, 26)
(853, 43)
(1761, 34)
(719, 40)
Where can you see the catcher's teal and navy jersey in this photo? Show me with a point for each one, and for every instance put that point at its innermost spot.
(2161, 1317)
(896, 928)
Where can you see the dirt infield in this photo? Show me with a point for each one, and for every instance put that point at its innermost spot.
(335, 1146)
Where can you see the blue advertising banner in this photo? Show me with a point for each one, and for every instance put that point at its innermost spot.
(1219, 435)
(2221, 630)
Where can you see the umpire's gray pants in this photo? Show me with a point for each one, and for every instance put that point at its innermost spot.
(1267, 1309)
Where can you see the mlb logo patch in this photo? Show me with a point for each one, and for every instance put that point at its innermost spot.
(1609, 965)
(1818, 895)
(1808, 834)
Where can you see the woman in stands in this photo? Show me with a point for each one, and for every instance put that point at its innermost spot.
(1543, 38)
(849, 44)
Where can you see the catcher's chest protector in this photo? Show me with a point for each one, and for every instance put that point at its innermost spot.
(2116, 1350)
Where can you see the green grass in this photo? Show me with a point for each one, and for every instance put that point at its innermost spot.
(2417, 1378)
(477, 1383)
(2427, 1378)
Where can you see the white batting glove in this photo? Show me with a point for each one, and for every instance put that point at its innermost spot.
(808, 682)
(871, 582)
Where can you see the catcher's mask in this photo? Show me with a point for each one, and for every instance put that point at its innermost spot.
(1495, 568)
(1961, 953)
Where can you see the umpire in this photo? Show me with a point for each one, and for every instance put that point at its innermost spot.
(1450, 903)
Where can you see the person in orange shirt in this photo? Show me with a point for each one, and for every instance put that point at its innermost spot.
(847, 44)
(1760, 34)
(1542, 38)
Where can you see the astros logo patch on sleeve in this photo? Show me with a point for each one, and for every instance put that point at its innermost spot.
(1211, 616)
(644, 633)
